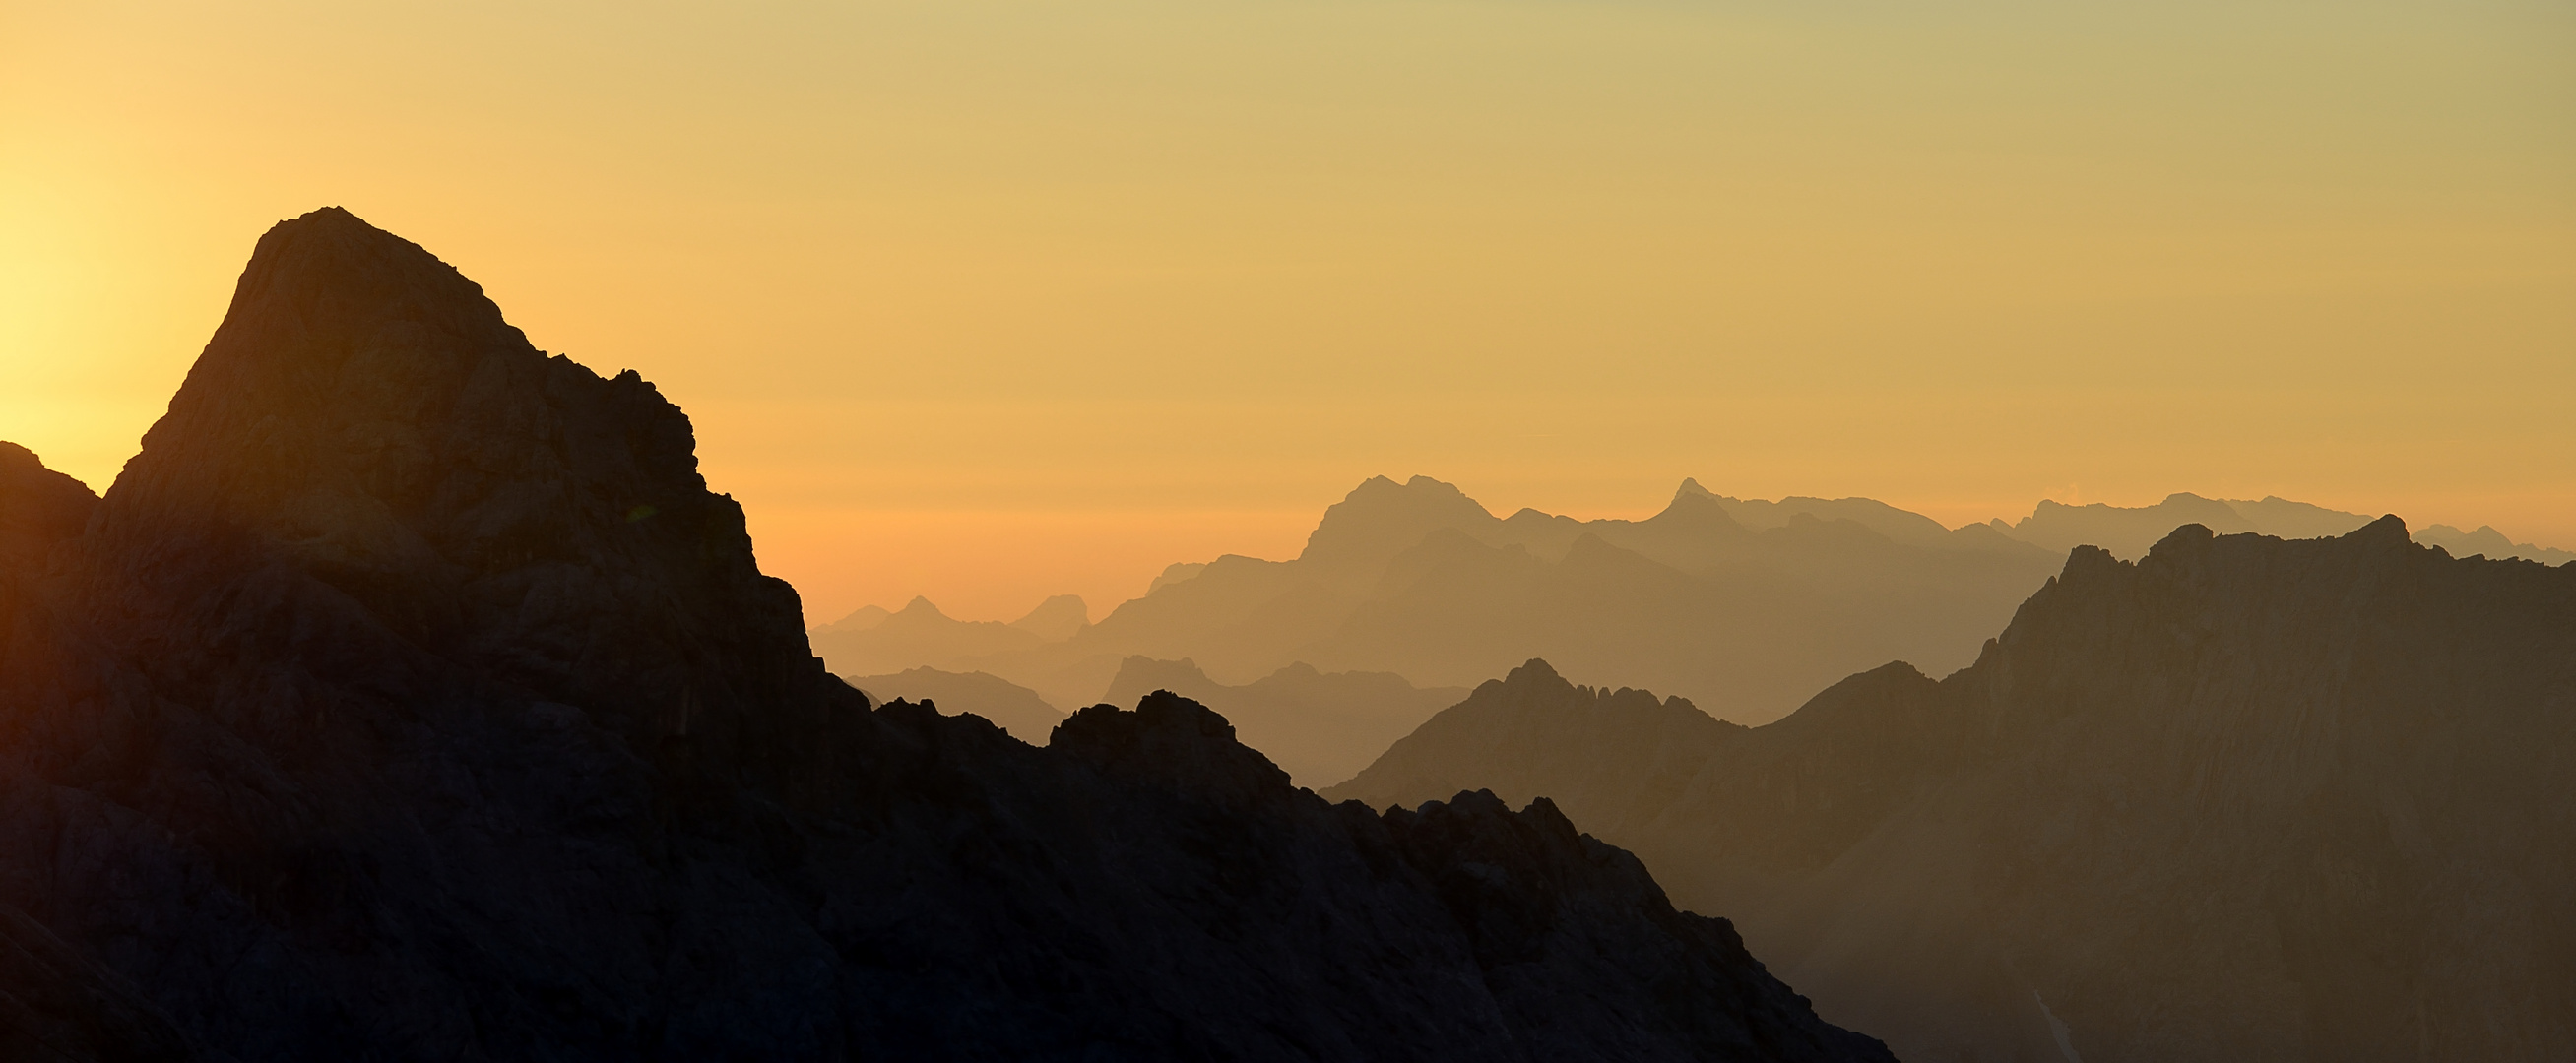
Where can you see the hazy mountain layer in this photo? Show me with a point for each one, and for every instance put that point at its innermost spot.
(1418, 580)
(1010, 706)
(1320, 728)
(2243, 799)
(1745, 605)
(410, 697)
(2488, 542)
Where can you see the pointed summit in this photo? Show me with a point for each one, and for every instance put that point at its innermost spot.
(1056, 619)
(1381, 518)
(364, 416)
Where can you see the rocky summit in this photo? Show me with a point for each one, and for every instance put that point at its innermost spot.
(411, 697)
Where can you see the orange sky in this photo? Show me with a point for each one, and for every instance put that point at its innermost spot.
(988, 301)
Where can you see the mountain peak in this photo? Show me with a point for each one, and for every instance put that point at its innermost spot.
(1056, 619)
(365, 418)
(1533, 673)
(1381, 518)
(2388, 530)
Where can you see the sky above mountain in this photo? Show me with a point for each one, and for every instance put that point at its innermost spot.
(990, 301)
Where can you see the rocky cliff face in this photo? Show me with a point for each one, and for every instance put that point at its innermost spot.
(410, 697)
(2242, 799)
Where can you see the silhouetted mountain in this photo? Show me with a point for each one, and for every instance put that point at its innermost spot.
(2490, 543)
(410, 697)
(865, 618)
(1418, 580)
(1320, 728)
(1534, 733)
(1896, 524)
(1175, 573)
(45, 507)
(1014, 708)
(2128, 532)
(915, 635)
(1057, 618)
(2244, 799)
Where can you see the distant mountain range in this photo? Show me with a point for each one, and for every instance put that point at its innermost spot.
(2245, 798)
(1745, 606)
(2128, 532)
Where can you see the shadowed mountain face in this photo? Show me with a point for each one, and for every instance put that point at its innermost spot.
(410, 697)
(2243, 799)
(1320, 727)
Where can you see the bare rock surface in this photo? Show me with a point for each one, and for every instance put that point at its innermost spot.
(411, 698)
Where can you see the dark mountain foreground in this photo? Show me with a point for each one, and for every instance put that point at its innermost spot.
(2243, 799)
(1320, 727)
(1010, 706)
(410, 698)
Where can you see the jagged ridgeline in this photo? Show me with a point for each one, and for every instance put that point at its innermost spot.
(2243, 799)
(411, 697)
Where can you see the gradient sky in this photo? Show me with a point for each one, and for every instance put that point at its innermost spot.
(987, 301)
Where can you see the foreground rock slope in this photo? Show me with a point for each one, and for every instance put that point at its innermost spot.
(2243, 799)
(410, 697)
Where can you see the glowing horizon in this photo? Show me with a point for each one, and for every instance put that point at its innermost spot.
(987, 302)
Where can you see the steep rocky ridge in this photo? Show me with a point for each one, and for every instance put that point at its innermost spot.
(410, 697)
(2245, 798)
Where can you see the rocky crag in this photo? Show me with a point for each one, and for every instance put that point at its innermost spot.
(2245, 798)
(410, 697)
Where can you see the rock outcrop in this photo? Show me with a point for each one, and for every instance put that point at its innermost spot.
(1321, 727)
(411, 697)
(2245, 798)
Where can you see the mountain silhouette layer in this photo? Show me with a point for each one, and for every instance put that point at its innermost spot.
(1746, 606)
(411, 697)
(1010, 706)
(2127, 532)
(2245, 798)
(1321, 728)
(1419, 580)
